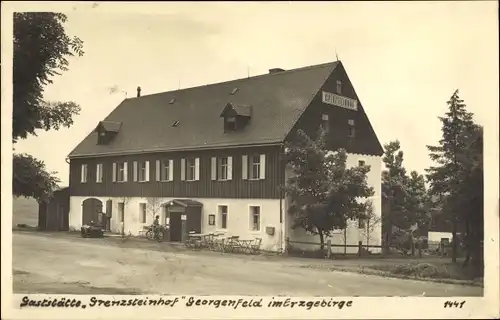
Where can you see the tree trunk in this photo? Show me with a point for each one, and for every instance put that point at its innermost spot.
(321, 239)
(345, 241)
(468, 242)
(454, 241)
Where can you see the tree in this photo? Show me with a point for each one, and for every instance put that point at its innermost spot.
(31, 178)
(153, 205)
(394, 182)
(449, 174)
(369, 223)
(41, 48)
(324, 192)
(417, 200)
(472, 194)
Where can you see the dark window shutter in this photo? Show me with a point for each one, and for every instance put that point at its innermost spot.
(109, 208)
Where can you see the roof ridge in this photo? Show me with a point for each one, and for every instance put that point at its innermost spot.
(322, 65)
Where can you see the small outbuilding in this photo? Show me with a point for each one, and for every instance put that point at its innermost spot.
(54, 214)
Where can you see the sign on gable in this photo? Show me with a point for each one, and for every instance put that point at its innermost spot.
(339, 101)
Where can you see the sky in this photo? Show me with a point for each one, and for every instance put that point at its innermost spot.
(405, 59)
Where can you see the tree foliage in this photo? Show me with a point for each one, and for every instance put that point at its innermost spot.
(324, 192)
(405, 195)
(457, 177)
(31, 178)
(41, 48)
(394, 183)
(41, 51)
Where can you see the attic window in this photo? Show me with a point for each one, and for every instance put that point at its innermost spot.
(172, 101)
(175, 124)
(234, 91)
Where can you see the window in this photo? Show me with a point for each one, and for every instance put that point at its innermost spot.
(255, 218)
(99, 174)
(361, 163)
(223, 217)
(230, 124)
(143, 171)
(352, 130)
(211, 219)
(120, 172)
(190, 169)
(254, 167)
(166, 170)
(175, 124)
(339, 87)
(361, 223)
(142, 212)
(121, 211)
(84, 173)
(223, 168)
(325, 123)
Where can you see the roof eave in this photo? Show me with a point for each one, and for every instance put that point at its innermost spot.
(192, 148)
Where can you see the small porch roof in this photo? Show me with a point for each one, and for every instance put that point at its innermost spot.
(184, 203)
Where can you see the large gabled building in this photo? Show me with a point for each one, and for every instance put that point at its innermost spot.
(212, 156)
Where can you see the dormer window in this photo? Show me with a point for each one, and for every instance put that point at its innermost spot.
(106, 131)
(175, 124)
(234, 91)
(236, 117)
(172, 101)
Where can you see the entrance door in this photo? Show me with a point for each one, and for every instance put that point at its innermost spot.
(90, 210)
(175, 226)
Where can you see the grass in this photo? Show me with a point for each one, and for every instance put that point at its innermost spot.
(430, 269)
(24, 211)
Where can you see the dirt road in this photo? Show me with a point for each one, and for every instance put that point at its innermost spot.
(55, 264)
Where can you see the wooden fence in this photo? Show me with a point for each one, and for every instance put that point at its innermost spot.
(362, 249)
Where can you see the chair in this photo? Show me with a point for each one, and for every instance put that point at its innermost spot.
(256, 246)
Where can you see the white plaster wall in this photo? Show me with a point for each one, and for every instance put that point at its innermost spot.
(434, 236)
(238, 221)
(353, 233)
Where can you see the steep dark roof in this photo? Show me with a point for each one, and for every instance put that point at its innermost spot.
(277, 100)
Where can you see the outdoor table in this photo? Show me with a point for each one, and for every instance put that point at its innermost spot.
(196, 239)
(246, 245)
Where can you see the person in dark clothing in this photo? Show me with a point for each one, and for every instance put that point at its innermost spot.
(156, 225)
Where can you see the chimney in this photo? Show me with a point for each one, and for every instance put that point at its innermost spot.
(276, 70)
(138, 92)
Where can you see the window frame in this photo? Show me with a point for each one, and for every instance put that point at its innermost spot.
(143, 212)
(223, 169)
(121, 211)
(165, 170)
(338, 88)
(223, 216)
(325, 122)
(120, 171)
(252, 218)
(84, 173)
(99, 173)
(190, 164)
(142, 171)
(253, 165)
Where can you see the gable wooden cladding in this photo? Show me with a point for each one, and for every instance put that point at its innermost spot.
(238, 186)
(365, 140)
